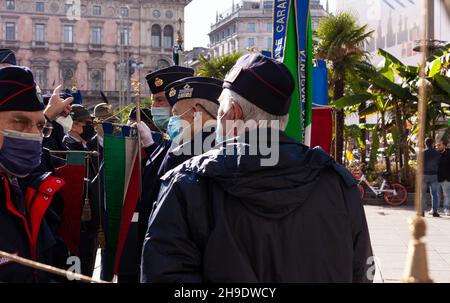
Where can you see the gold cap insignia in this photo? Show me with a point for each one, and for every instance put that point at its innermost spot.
(172, 92)
(158, 82)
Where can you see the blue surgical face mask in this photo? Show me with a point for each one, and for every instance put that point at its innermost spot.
(175, 127)
(20, 153)
(160, 116)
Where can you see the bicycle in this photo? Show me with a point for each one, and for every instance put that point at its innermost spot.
(393, 194)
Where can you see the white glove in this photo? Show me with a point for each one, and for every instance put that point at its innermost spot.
(145, 133)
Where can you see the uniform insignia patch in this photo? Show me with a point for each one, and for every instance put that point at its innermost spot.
(186, 92)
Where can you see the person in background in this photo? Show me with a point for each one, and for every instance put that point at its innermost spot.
(444, 173)
(430, 178)
(7, 57)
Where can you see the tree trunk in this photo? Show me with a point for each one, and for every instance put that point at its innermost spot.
(405, 146)
(362, 121)
(399, 148)
(385, 143)
(339, 93)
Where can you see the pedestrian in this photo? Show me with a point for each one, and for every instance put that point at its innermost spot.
(7, 57)
(431, 160)
(444, 173)
(245, 213)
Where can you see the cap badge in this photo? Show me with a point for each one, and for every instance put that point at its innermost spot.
(158, 82)
(186, 92)
(172, 92)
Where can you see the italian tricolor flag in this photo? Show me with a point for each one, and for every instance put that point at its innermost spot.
(121, 181)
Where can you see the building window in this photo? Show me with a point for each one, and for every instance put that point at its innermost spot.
(156, 36)
(10, 33)
(269, 27)
(10, 5)
(168, 37)
(40, 76)
(67, 7)
(156, 13)
(268, 4)
(96, 35)
(233, 29)
(96, 10)
(39, 32)
(228, 32)
(251, 42)
(124, 11)
(125, 36)
(40, 7)
(68, 33)
(251, 27)
(269, 43)
(96, 80)
(169, 14)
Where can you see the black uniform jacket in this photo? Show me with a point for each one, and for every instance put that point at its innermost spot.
(225, 216)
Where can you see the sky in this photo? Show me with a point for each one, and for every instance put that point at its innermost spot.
(200, 14)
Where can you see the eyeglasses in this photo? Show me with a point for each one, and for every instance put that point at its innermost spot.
(22, 125)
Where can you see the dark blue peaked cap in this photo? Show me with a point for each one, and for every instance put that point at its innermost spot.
(159, 79)
(194, 87)
(18, 90)
(7, 56)
(266, 83)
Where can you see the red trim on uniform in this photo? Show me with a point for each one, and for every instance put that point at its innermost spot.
(10, 206)
(37, 204)
(16, 94)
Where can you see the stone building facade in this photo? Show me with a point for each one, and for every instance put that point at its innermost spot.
(81, 43)
(249, 24)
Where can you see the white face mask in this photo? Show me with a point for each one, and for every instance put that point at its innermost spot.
(65, 122)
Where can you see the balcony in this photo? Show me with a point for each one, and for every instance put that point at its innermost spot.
(68, 47)
(96, 48)
(11, 44)
(40, 45)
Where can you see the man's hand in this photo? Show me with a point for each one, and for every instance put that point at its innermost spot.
(57, 106)
(145, 133)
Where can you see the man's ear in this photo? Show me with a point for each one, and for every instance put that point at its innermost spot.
(238, 114)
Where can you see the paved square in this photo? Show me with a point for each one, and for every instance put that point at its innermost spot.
(390, 235)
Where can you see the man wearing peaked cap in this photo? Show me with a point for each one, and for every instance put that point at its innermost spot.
(259, 189)
(23, 207)
(157, 81)
(192, 124)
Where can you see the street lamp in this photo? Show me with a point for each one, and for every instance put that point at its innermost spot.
(132, 66)
(178, 48)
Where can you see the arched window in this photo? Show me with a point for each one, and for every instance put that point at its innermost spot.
(163, 63)
(156, 36)
(168, 37)
(96, 80)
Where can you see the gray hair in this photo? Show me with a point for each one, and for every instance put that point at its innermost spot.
(209, 106)
(251, 111)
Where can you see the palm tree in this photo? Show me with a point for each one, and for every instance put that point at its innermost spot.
(217, 67)
(341, 43)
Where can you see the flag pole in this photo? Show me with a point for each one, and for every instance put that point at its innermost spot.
(416, 270)
(137, 93)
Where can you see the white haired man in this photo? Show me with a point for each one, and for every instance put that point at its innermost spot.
(231, 216)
